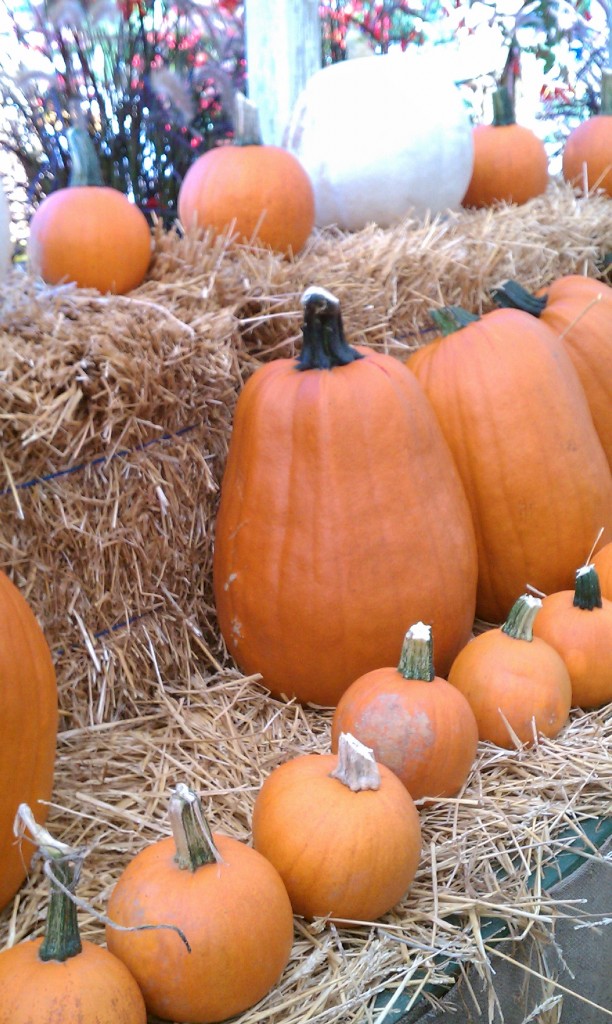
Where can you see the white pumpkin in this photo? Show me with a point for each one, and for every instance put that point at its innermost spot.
(6, 246)
(383, 137)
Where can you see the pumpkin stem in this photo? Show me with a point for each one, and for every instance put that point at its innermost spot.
(356, 767)
(84, 163)
(452, 318)
(63, 867)
(416, 659)
(587, 593)
(520, 618)
(503, 107)
(247, 130)
(512, 295)
(193, 838)
(323, 342)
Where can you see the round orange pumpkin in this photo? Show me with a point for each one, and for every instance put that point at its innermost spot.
(61, 977)
(230, 905)
(510, 161)
(579, 311)
(415, 722)
(518, 423)
(578, 624)
(29, 717)
(342, 831)
(516, 683)
(587, 152)
(261, 192)
(88, 233)
(342, 517)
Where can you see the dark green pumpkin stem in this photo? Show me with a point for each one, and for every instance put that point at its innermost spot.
(450, 319)
(84, 163)
(587, 593)
(512, 295)
(606, 92)
(62, 938)
(192, 836)
(416, 659)
(519, 623)
(323, 343)
(503, 107)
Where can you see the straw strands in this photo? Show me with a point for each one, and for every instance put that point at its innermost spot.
(114, 421)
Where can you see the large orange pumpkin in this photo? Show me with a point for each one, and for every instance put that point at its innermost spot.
(587, 153)
(228, 901)
(579, 311)
(415, 722)
(517, 420)
(510, 161)
(342, 831)
(89, 233)
(342, 517)
(262, 192)
(61, 976)
(28, 717)
(516, 683)
(578, 624)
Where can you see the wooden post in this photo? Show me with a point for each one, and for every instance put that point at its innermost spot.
(283, 49)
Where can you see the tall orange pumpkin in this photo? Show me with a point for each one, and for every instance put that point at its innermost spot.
(587, 152)
(61, 977)
(342, 517)
(89, 233)
(510, 161)
(28, 717)
(517, 420)
(579, 311)
(260, 191)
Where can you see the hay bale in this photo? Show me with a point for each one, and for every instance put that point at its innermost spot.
(116, 415)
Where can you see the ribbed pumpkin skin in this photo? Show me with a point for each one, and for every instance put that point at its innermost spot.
(584, 641)
(518, 424)
(236, 916)
(351, 855)
(510, 165)
(424, 731)
(91, 235)
(91, 988)
(603, 564)
(264, 189)
(579, 310)
(342, 518)
(29, 716)
(590, 143)
(524, 679)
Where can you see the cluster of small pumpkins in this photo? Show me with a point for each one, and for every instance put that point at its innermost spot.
(419, 158)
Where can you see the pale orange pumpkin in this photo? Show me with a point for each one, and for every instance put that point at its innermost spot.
(342, 831)
(578, 624)
(587, 152)
(228, 901)
(415, 722)
(517, 684)
(29, 717)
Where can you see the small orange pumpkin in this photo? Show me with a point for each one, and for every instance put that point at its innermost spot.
(29, 717)
(587, 153)
(415, 722)
(61, 977)
(228, 901)
(578, 624)
(262, 191)
(89, 233)
(510, 161)
(512, 678)
(342, 831)
(602, 561)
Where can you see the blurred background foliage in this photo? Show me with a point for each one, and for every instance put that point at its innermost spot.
(153, 80)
